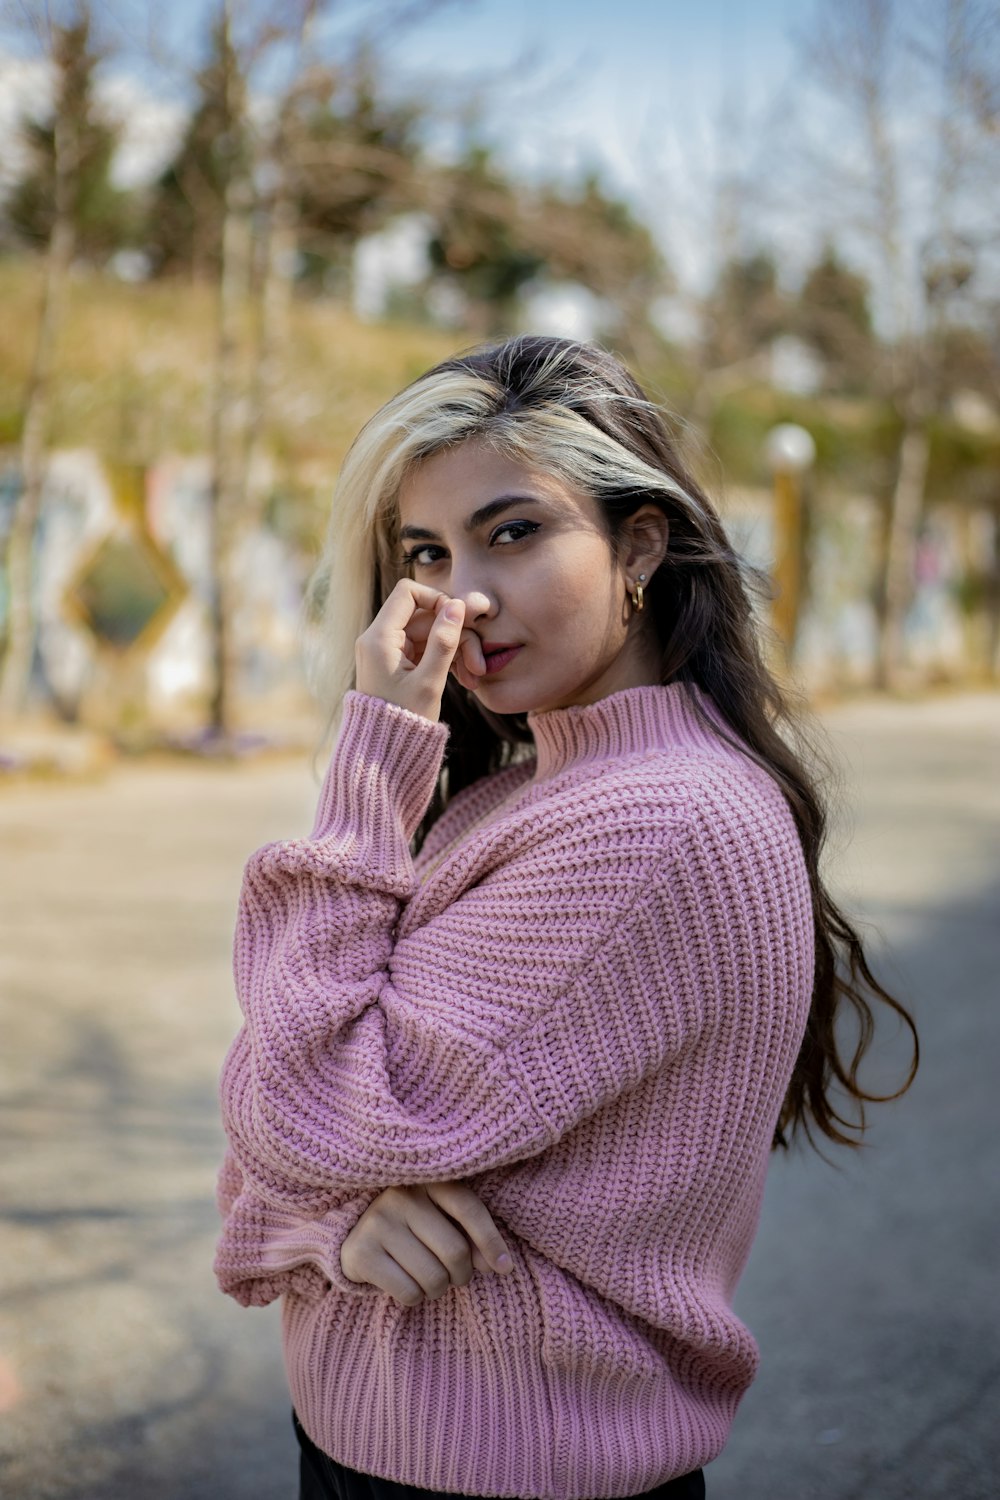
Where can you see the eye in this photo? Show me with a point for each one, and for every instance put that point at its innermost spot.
(413, 558)
(523, 528)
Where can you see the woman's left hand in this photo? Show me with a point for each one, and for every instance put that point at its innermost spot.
(417, 1241)
(407, 651)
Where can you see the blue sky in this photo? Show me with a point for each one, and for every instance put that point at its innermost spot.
(604, 73)
(568, 82)
(652, 92)
(660, 96)
(692, 111)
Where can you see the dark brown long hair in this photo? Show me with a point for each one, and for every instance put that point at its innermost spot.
(699, 602)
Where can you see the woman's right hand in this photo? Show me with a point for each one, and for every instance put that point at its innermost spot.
(412, 644)
(408, 1243)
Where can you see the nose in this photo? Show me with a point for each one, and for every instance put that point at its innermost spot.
(477, 604)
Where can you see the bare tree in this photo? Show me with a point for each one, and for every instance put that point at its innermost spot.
(903, 180)
(65, 38)
(237, 201)
(271, 153)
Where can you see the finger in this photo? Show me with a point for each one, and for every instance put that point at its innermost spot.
(469, 666)
(382, 639)
(420, 626)
(442, 644)
(476, 603)
(439, 1233)
(407, 597)
(472, 653)
(413, 640)
(475, 1218)
(385, 1272)
(462, 675)
(430, 1249)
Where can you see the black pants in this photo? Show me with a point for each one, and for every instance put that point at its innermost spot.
(323, 1478)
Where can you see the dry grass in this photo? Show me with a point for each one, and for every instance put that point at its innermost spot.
(134, 366)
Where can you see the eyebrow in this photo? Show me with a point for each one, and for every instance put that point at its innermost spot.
(478, 518)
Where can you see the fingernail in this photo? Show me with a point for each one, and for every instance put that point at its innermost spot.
(504, 1262)
(454, 611)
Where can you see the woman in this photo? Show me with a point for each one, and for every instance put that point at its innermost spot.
(553, 972)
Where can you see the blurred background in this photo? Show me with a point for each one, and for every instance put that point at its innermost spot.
(226, 237)
(229, 231)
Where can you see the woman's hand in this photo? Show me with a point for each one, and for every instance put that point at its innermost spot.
(408, 1244)
(407, 651)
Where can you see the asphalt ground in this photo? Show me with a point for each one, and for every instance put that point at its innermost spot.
(124, 1373)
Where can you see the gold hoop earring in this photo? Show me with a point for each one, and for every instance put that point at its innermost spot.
(638, 602)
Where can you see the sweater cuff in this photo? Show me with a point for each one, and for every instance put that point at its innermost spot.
(380, 781)
(316, 1242)
(266, 1251)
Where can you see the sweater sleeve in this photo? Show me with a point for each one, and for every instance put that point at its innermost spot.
(481, 1037)
(266, 1250)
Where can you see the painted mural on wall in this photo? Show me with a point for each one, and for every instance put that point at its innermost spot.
(123, 581)
(123, 591)
(837, 640)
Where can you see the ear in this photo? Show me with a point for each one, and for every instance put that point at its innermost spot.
(644, 540)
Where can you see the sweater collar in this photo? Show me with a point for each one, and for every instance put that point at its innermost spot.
(633, 719)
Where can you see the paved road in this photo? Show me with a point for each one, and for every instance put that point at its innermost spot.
(123, 1372)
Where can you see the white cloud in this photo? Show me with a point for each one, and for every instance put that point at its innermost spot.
(24, 84)
(566, 311)
(151, 127)
(394, 257)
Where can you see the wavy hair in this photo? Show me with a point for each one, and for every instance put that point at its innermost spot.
(574, 410)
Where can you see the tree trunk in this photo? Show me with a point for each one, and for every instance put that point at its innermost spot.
(226, 425)
(15, 669)
(272, 310)
(228, 412)
(904, 519)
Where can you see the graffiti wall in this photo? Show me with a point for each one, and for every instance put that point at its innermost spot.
(123, 595)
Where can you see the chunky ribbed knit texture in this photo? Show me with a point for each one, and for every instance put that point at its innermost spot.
(589, 1010)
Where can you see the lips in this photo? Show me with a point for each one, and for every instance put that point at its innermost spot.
(497, 654)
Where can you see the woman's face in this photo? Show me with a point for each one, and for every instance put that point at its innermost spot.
(531, 559)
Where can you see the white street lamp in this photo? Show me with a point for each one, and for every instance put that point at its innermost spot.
(790, 449)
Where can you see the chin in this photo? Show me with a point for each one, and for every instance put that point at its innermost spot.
(517, 698)
(504, 703)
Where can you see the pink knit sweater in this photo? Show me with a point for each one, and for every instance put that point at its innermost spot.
(588, 1010)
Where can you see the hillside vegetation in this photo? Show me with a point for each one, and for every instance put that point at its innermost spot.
(134, 368)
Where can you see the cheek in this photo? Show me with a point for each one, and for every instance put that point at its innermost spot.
(578, 585)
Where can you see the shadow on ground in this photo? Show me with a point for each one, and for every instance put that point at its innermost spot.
(871, 1286)
(127, 1374)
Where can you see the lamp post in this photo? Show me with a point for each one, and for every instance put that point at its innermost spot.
(790, 451)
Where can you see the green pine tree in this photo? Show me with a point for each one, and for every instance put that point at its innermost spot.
(187, 203)
(103, 216)
(834, 317)
(481, 242)
(746, 309)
